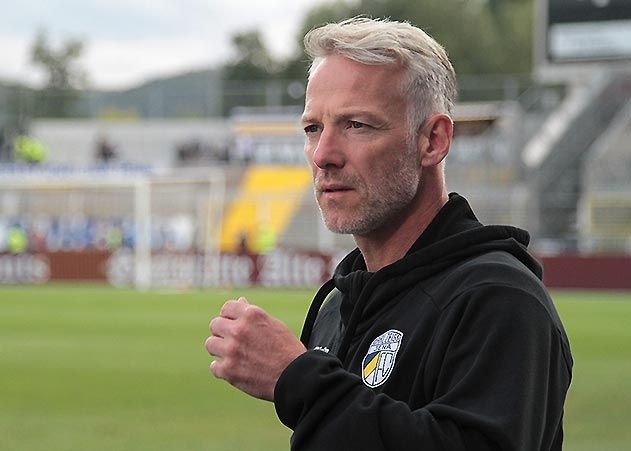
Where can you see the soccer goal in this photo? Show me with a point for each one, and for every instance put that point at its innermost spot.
(109, 226)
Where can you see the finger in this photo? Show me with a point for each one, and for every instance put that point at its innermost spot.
(216, 346)
(220, 326)
(215, 369)
(242, 299)
(219, 370)
(233, 309)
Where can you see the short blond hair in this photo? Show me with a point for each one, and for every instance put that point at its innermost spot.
(430, 84)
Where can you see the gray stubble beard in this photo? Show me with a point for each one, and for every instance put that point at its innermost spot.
(379, 209)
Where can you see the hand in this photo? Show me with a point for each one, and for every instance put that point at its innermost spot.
(252, 348)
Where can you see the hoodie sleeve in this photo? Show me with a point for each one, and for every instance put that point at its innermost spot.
(497, 376)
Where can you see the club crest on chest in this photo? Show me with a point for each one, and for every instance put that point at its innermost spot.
(380, 358)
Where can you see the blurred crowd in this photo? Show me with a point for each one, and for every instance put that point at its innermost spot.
(80, 233)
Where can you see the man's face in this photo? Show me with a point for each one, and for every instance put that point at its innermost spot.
(365, 171)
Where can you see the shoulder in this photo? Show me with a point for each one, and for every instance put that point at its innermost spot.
(328, 326)
(331, 306)
(492, 281)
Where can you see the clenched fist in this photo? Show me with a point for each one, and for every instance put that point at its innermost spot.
(252, 348)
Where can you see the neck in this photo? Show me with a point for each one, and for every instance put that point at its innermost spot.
(391, 242)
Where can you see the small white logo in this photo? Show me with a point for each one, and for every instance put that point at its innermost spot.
(379, 360)
(321, 348)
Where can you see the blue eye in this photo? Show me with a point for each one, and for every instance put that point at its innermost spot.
(355, 124)
(311, 128)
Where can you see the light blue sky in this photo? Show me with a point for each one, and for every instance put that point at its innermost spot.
(128, 41)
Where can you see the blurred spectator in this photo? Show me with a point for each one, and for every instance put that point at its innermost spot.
(105, 151)
(17, 240)
(5, 153)
(114, 238)
(189, 151)
(37, 235)
(266, 239)
(243, 247)
(29, 150)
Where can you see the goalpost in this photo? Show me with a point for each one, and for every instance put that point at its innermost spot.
(138, 214)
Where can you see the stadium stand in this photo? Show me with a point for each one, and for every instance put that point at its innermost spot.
(266, 199)
(152, 141)
(555, 157)
(605, 207)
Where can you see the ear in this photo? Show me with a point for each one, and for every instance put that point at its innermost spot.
(435, 140)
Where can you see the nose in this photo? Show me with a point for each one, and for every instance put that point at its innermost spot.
(328, 151)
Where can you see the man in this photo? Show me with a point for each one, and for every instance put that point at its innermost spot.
(436, 332)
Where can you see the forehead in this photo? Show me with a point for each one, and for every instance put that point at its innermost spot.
(341, 80)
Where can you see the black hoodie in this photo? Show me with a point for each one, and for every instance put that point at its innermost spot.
(455, 346)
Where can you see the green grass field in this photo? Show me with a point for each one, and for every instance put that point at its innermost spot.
(90, 368)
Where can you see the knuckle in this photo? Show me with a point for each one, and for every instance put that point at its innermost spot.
(228, 370)
(232, 348)
(254, 313)
(225, 307)
(239, 330)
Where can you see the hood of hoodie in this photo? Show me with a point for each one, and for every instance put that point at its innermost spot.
(454, 235)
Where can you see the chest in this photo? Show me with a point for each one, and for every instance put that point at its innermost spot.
(393, 351)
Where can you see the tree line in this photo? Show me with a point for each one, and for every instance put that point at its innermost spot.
(482, 37)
